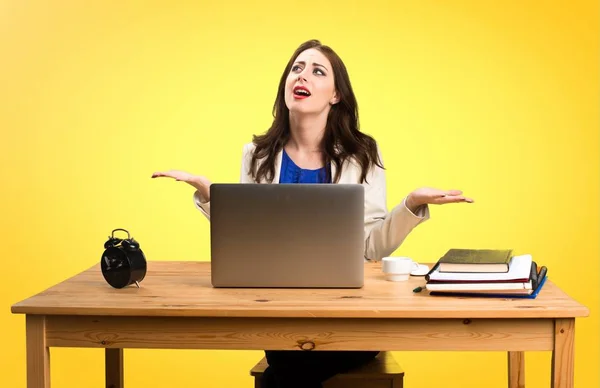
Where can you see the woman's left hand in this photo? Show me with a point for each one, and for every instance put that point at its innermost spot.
(431, 196)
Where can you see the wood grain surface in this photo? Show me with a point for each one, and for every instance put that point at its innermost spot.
(300, 333)
(184, 289)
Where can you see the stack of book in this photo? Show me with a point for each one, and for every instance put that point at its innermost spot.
(480, 272)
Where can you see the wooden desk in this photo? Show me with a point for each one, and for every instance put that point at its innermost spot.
(177, 308)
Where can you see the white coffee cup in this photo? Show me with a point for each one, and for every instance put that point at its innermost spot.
(397, 269)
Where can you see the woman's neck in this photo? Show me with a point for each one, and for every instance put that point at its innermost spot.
(305, 145)
(306, 133)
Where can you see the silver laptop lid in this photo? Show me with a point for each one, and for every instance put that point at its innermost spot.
(287, 235)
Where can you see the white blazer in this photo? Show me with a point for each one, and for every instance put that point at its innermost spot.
(384, 231)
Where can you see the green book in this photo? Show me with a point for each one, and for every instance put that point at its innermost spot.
(475, 260)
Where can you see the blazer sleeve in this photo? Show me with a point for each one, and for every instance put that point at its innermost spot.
(385, 231)
(203, 205)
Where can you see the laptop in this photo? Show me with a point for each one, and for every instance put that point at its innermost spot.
(287, 235)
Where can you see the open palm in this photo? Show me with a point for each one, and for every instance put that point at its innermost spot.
(432, 196)
(200, 183)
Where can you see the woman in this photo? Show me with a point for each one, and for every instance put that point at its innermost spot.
(315, 138)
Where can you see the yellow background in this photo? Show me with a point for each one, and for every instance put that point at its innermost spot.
(499, 99)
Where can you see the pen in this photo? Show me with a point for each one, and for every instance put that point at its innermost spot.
(542, 274)
(419, 289)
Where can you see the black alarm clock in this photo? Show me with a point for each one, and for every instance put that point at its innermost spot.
(123, 263)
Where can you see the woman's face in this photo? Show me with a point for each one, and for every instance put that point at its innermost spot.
(310, 87)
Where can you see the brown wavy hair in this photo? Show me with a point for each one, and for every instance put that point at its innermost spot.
(342, 139)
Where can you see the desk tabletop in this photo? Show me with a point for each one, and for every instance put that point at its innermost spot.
(184, 289)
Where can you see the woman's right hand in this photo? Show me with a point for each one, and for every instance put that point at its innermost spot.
(200, 183)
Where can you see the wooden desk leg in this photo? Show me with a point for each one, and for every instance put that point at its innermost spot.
(38, 354)
(563, 355)
(114, 368)
(516, 369)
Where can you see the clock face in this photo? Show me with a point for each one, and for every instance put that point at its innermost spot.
(115, 267)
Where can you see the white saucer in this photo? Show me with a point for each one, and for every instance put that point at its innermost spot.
(421, 271)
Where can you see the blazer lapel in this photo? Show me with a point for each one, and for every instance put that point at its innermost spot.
(333, 170)
(277, 166)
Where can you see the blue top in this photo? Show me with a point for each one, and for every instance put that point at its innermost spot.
(291, 173)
